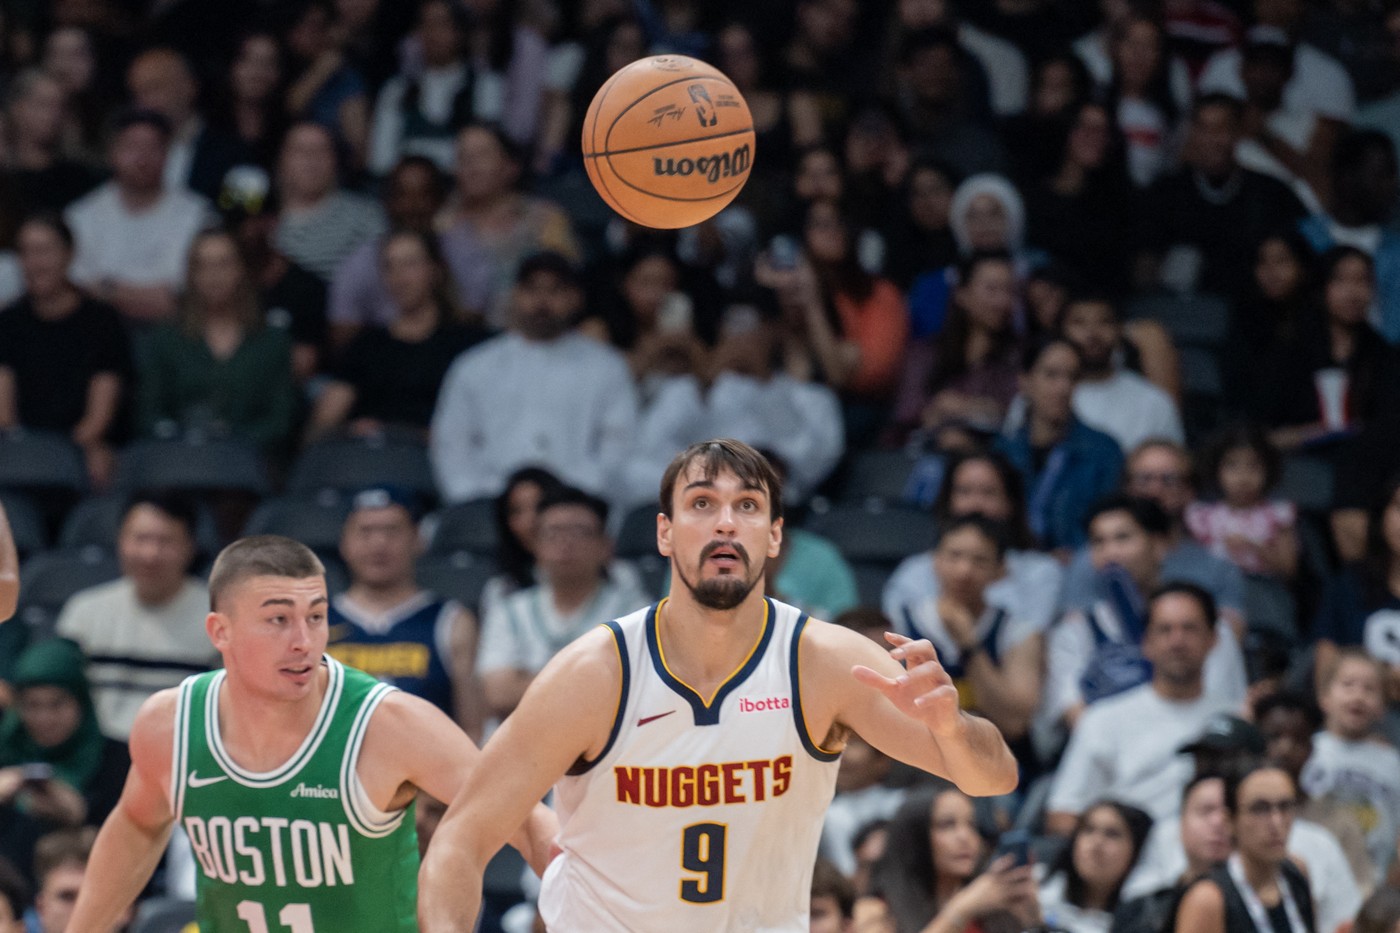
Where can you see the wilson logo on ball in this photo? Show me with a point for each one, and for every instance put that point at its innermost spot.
(724, 165)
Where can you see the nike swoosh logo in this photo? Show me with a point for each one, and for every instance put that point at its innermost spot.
(205, 782)
(646, 719)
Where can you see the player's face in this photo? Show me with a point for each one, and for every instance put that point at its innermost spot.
(271, 632)
(380, 545)
(719, 536)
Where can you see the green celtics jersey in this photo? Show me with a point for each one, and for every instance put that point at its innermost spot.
(300, 848)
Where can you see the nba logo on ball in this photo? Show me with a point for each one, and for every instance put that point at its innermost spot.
(668, 141)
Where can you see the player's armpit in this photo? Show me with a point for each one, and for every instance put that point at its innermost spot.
(564, 717)
(912, 716)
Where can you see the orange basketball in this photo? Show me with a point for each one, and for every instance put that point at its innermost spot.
(668, 141)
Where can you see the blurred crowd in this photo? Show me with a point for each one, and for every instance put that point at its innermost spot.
(1071, 325)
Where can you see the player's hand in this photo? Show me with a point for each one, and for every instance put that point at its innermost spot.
(924, 691)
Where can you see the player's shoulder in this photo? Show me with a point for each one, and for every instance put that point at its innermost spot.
(825, 645)
(153, 730)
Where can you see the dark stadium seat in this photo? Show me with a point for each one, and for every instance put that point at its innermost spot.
(872, 532)
(315, 521)
(26, 523)
(637, 536)
(47, 580)
(192, 465)
(881, 475)
(41, 460)
(460, 575)
(466, 526)
(350, 464)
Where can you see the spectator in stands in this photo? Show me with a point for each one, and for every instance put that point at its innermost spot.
(1059, 84)
(323, 87)
(14, 898)
(1382, 112)
(517, 519)
(845, 327)
(1125, 747)
(1109, 396)
(39, 161)
(994, 654)
(320, 223)
(133, 233)
(219, 369)
(1365, 186)
(540, 393)
(1066, 464)
(1335, 346)
(574, 595)
(1076, 208)
(510, 224)
(1097, 651)
(1202, 841)
(862, 796)
(1275, 305)
(809, 571)
(739, 390)
(65, 362)
(1260, 872)
(1319, 85)
(1203, 223)
(200, 155)
(70, 55)
(141, 633)
(1351, 763)
(964, 378)
(1161, 470)
(833, 900)
(414, 192)
(1146, 95)
(388, 626)
(390, 376)
(817, 61)
(250, 103)
(929, 873)
(1246, 527)
(1083, 887)
(9, 569)
(60, 862)
(986, 59)
(784, 120)
(918, 235)
(54, 761)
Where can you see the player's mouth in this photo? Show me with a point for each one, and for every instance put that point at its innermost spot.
(724, 556)
(299, 673)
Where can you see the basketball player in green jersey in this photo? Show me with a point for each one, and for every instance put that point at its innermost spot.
(293, 776)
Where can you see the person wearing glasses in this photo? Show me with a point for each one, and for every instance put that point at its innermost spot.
(1259, 889)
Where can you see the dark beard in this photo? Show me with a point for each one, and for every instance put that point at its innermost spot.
(720, 593)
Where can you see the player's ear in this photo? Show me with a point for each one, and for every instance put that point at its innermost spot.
(216, 625)
(775, 537)
(663, 534)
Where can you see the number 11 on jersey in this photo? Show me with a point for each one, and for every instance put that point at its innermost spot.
(295, 917)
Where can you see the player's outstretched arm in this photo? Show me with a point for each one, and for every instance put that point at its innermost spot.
(134, 836)
(562, 718)
(9, 569)
(909, 713)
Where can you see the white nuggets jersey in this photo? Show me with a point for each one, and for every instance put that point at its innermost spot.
(697, 816)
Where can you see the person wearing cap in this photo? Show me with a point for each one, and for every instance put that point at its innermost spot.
(134, 232)
(540, 394)
(388, 626)
(1126, 746)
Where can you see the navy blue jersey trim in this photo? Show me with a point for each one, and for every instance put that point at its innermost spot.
(583, 766)
(703, 713)
(799, 720)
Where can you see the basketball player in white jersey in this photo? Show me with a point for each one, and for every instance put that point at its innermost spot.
(695, 742)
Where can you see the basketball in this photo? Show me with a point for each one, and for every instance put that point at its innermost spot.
(668, 141)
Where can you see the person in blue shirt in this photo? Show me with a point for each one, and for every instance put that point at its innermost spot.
(1066, 464)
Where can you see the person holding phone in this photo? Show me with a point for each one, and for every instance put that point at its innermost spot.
(1081, 890)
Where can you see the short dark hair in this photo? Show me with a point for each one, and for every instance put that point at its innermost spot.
(863, 618)
(1036, 348)
(1197, 779)
(1236, 777)
(551, 262)
(1191, 591)
(1354, 145)
(13, 888)
(1144, 512)
(1217, 99)
(258, 556)
(62, 847)
(1018, 531)
(827, 881)
(752, 468)
(1089, 296)
(172, 503)
(571, 495)
(1237, 436)
(440, 183)
(54, 221)
(1292, 702)
(137, 116)
(993, 531)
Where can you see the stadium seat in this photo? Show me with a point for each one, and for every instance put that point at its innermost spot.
(467, 526)
(192, 465)
(96, 521)
(1270, 609)
(315, 522)
(637, 536)
(461, 575)
(872, 532)
(1193, 319)
(350, 464)
(47, 580)
(876, 474)
(26, 523)
(1307, 482)
(871, 577)
(41, 460)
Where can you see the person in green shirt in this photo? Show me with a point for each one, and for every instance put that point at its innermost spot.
(293, 776)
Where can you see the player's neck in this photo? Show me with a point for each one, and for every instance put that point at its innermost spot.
(260, 732)
(705, 646)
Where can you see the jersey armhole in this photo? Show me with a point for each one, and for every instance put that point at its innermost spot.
(583, 765)
(800, 721)
(180, 748)
(364, 817)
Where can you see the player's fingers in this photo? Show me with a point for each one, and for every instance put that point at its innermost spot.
(947, 694)
(914, 652)
(873, 678)
(897, 639)
(928, 674)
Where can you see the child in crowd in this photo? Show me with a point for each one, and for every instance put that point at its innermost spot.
(1245, 526)
(1351, 765)
(833, 899)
